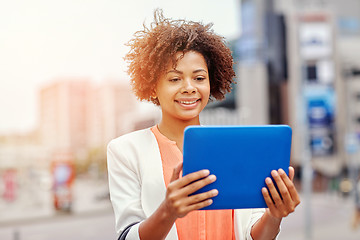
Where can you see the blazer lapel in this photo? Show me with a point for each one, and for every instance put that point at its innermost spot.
(153, 185)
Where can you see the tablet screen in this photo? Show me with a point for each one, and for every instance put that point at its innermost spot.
(241, 157)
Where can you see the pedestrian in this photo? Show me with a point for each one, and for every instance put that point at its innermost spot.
(179, 65)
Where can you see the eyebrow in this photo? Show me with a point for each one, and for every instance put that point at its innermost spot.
(180, 72)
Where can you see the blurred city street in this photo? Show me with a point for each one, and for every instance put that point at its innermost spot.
(92, 218)
(331, 217)
(65, 94)
(92, 226)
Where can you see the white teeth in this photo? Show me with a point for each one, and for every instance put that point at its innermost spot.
(188, 102)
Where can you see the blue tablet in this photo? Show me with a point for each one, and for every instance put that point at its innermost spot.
(241, 157)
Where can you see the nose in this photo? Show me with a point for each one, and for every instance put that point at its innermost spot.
(188, 86)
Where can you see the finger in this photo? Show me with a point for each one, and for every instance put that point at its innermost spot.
(176, 172)
(290, 186)
(196, 185)
(291, 173)
(268, 200)
(274, 193)
(282, 188)
(197, 198)
(192, 177)
(199, 205)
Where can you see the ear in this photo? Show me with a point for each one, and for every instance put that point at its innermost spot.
(153, 94)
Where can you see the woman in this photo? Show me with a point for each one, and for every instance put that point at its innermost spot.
(180, 65)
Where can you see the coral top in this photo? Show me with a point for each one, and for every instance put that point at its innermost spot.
(197, 225)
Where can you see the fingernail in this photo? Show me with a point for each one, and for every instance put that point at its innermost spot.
(281, 171)
(206, 172)
(268, 181)
(212, 177)
(274, 173)
(214, 192)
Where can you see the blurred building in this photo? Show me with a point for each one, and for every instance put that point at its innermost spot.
(111, 105)
(77, 115)
(21, 151)
(77, 120)
(23, 168)
(291, 57)
(64, 114)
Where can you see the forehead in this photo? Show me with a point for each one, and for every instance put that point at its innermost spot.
(190, 59)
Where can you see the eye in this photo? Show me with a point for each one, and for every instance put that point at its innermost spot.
(174, 79)
(200, 78)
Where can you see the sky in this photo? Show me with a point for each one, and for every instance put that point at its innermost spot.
(41, 41)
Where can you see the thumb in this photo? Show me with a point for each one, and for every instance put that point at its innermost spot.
(176, 172)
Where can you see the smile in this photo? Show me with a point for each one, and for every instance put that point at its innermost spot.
(188, 102)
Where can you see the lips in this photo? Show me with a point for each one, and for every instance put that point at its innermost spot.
(188, 103)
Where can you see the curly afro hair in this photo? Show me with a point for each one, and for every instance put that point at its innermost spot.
(152, 48)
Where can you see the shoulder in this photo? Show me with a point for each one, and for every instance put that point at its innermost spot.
(131, 149)
(134, 139)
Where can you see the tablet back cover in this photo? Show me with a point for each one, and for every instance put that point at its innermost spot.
(241, 157)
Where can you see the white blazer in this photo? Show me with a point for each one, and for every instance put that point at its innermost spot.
(137, 185)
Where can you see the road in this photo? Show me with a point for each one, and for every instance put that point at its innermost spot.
(331, 217)
(93, 226)
(93, 220)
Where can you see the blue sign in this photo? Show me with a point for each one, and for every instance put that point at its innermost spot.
(320, 102)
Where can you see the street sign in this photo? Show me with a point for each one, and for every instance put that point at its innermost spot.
(63, 174)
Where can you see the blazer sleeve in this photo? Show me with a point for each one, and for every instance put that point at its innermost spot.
(248, 222)
(244, 221)
(256, 214)
(125, 189)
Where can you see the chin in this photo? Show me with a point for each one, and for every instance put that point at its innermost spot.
(189, 117)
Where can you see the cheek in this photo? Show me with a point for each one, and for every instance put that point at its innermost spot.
(207, 90)
(206, 94)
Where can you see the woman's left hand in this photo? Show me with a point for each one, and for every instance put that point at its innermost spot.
(283, 201)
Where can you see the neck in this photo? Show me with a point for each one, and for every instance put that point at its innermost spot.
(173, 129)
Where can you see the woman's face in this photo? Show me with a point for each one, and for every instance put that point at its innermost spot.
(183, 92)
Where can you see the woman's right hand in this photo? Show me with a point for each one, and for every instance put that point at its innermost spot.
(178, 201)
